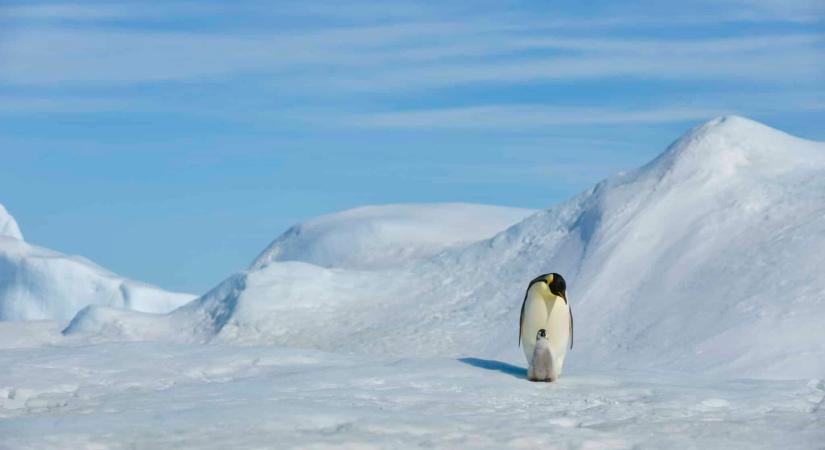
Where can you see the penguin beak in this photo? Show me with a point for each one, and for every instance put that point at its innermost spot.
(561, 294)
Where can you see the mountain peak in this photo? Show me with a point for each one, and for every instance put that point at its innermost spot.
(733, 127)
(8, 226)
(725, 144)
(732, 121)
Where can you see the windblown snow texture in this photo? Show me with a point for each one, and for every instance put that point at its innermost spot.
(37, 283)
(707, 259)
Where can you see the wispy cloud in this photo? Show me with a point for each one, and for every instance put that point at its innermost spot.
(792, 10)
(514, 117)
(27, 104)
(781, 59)
(395, 46)
(535, 116)
(94, 12)
(401, 56)
(68, 11)
(377, 51)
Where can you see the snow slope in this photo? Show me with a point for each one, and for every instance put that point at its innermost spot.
(708, 259)
(380, 237)
(37, 283)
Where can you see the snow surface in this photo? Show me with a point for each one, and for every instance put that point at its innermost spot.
(158, 395)
(37, 283)
(706, 260)
(694, 280)
(380, 237)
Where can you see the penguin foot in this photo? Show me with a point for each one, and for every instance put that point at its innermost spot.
(540, 379)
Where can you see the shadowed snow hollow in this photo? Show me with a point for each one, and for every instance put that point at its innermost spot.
(37, 283)
(379, 237)
(708, 258)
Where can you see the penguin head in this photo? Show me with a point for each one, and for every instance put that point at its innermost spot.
(555, 284)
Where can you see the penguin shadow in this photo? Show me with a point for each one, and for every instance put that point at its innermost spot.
(496, 366)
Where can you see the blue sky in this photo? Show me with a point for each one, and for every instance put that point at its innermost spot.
(171, 141)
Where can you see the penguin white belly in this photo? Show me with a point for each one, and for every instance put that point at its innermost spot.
(552, 315)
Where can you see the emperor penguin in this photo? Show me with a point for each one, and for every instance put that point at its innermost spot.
(545, 307)
(541, 365)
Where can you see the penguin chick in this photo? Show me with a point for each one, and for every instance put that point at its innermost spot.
(542, 365)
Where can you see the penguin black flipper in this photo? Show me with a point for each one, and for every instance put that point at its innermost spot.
(571, 325)
(521, 317)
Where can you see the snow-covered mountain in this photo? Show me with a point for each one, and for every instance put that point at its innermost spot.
(706, 259)
(697, 269)
(380, 237)
(37, 283)
(8, 226)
